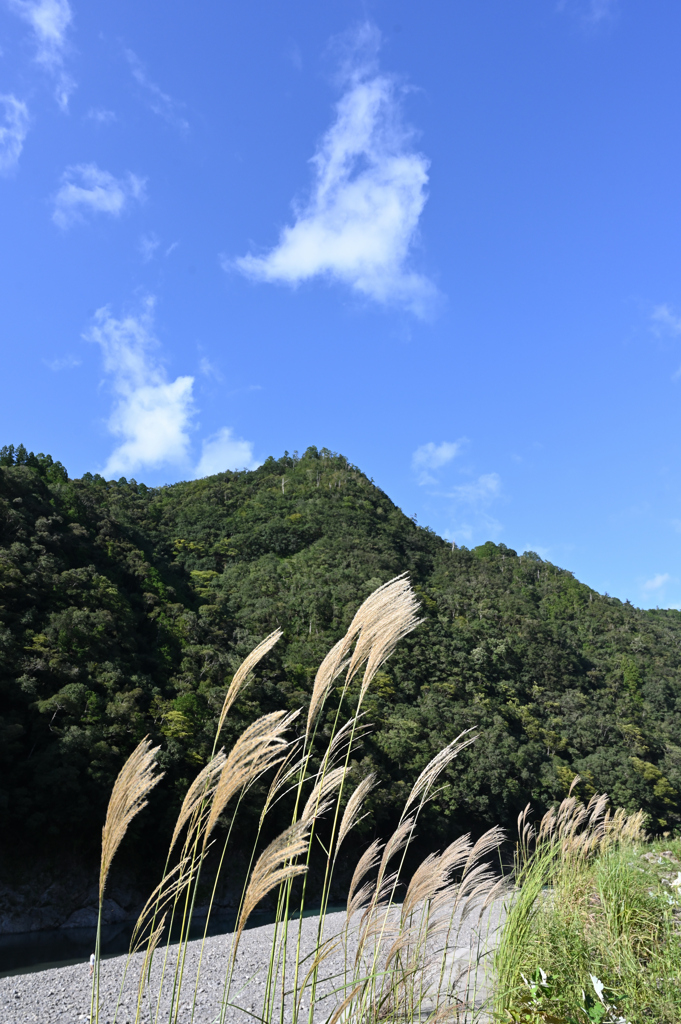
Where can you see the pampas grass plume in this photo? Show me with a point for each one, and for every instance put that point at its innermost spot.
(135, 780)
(241, 675)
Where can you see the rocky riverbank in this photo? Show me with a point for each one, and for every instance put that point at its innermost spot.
(62, 995)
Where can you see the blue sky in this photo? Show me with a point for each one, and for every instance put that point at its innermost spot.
(441, 238)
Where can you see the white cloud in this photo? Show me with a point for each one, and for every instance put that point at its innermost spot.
(361, 219)
(86, 188)
(477, 495)
(224, 451)
(483, 528)
(599, 10)
(209, 369)
(13, 131)
(152, 414)
(148, 244)
(665, 320)
(543, 552)
(592, 12)
(657, 581)
(479, 492)
(433, 456)
(159, 102)
(49, 20)
(100, 115)
(63, 363)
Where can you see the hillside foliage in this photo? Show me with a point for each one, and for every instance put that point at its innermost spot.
(125, 610)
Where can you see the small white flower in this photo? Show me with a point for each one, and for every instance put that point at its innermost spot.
(598, 986)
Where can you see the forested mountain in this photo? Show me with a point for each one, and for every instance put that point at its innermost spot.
(124, 610)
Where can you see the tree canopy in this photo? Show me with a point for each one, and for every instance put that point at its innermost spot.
(125, 610)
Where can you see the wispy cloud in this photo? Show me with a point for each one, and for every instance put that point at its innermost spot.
(159, 102)
(152, 414)
(590, 12)
(665, 320)
(13, 131)
(476, 529)
(433, 456)
(68, 362)
(148, 244)
(87, 189)
(101, 116)
(50, 20)
(209, 369)
(656, 582)
(223, 451)
(479, 492)
(472, 502)
(360, 221)
(538, 549)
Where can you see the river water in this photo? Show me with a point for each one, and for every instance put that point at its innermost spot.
(56, 947)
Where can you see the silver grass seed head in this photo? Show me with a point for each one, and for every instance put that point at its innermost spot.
(241, 675)
(136, 779)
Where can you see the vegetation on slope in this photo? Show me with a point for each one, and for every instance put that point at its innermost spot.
(592, 931)
(125, 610)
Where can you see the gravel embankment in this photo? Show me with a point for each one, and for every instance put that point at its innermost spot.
(62, 995)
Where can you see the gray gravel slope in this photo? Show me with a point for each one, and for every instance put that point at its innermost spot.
(62, 995)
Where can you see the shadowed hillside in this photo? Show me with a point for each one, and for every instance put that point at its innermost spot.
(124, 610)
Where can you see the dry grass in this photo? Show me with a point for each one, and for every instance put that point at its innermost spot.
(399, 936)
(259, 748)
(583, 916)
(351, 814)
(242, 673)
(201, 789)
(136, 779)
(386, 616)
(274, 866)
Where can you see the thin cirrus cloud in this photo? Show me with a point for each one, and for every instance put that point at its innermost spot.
(656, 582)
(100, 115)
(13, 130)
(87, 189)
(160, 103)
(361, 219)
(590, 12)
(50, 20)
(479, 492)
(473, 500)
(665, 320)
(68, 362)
(153, 415)
(148, 244)
(431, 456)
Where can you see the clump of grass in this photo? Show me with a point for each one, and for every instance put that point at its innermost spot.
(591, 926)
(136, 779)
(592, 929)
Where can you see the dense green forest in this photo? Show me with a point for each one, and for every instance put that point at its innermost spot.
(124, 610)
